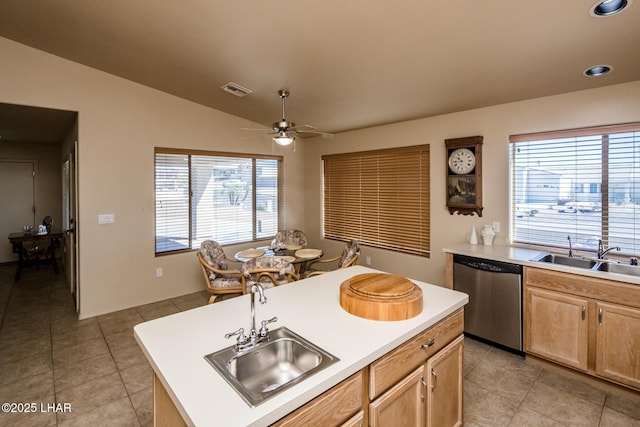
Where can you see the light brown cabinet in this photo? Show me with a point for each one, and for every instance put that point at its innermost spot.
(618, 344)
(444, 387)
(419, 383)
(556, 327)
(584, 323)
(431, 394)
(403, 405)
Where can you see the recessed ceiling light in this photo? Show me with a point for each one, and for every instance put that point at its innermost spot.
(608, 7)
(598, 70)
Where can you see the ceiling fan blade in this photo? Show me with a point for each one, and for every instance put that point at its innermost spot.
(257, 129)
(308, 129)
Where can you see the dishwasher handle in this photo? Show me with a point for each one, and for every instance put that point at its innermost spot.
(487, 265)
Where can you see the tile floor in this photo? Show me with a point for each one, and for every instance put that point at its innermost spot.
(48, 357)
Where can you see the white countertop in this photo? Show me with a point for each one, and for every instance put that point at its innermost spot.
(527, 257)
(495, 252)
(176, 345)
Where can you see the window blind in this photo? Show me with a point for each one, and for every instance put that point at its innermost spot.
(229, 198)
(379, 197)
(578, 185)
(172, 202)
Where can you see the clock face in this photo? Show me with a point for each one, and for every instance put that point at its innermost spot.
(462, 161)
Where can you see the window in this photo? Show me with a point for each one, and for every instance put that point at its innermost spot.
(379, 197)
(581, 183)
(230, 198)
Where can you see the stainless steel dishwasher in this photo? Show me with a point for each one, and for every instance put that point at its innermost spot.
(494, 311)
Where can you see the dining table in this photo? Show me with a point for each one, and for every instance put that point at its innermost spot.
(35, 248)
(299, 257)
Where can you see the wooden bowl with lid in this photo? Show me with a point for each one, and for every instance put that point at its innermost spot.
(381, 296)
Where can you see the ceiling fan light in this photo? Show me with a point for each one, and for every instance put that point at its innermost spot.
(283, 139)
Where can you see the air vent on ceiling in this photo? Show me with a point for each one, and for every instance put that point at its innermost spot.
(236, 89)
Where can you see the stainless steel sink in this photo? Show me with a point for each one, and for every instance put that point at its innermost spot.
(271, 366)
(614, 267)
(569, 261)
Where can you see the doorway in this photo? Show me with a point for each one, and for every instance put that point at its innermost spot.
(35, 145)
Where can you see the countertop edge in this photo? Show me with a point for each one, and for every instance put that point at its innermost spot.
(526, 257)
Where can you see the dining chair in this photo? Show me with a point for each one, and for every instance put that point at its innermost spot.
(289, 238)
(219, 278)
(349, 257)
(269, 271)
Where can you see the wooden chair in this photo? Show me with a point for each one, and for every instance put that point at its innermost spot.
(215, 268)
(288, 238)
(349, 257)
(269, 271)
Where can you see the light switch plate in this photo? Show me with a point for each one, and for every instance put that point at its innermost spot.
(106, 219)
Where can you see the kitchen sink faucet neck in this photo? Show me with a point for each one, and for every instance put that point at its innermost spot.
(256, 288)
(602, 251)
(255, 336)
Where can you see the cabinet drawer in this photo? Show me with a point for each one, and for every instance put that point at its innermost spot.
(393, 366)
(332, 408)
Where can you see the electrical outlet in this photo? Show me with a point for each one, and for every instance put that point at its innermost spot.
(496, 226)
(159, 272)
(367, 260)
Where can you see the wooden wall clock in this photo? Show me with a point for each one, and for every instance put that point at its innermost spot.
(464, 175)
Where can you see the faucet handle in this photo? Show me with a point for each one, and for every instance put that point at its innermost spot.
(263, 330)
(240, 333)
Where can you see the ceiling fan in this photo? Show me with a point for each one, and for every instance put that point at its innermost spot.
(285, 132)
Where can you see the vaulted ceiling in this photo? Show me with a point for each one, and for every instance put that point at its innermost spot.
(348, 64)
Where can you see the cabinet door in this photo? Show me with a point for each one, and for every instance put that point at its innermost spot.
(356, 421)
(556, 327)
(618, 344)
(402, 405)
(444, 386)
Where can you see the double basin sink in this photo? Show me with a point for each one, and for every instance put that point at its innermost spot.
(591, 264)
(271, 366)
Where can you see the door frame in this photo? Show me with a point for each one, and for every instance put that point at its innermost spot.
(70, 182)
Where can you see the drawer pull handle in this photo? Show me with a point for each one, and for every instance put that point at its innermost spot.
(434, 384)
(584, 312)
(424, 387)
(600, 316)
(431, 342)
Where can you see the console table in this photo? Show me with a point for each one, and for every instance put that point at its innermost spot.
(34, 249)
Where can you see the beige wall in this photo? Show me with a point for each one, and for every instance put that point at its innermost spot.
(120, 122)
(119, 125)
(609, 105)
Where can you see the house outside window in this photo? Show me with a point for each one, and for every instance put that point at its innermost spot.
(581, 184)
(229, 198)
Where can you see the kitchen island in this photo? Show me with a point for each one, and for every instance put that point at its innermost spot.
(175, 345)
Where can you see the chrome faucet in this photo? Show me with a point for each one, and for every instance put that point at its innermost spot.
(244, 342)
(602, 251)
(256, 287)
